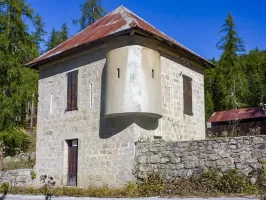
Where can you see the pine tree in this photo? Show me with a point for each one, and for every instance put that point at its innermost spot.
(64, 33)
(209, 83)
(54, 39)
(39, 29)
(255, 65)
(57, 37)
(17, 47)
(231, 82)
(91, 11)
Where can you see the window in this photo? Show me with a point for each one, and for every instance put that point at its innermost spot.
(91, 95)
(152, 73)
(72, 91)
(51, 103)
(187, 95)
(118, 72)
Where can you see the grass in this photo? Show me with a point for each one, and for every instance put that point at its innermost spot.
(23, 164)
(211, 183)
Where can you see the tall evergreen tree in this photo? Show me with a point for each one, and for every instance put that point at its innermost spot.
(91, 11)
(17, 46)
(54, 39)
(209, 88)
(255, 65)
(231, 82)
(39, 29)
(57, 37)
(64, 33)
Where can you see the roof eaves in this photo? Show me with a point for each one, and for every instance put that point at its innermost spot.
(206, 63)
(76, 49)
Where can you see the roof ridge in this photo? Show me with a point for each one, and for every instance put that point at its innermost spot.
(120, 19)
(156, 29)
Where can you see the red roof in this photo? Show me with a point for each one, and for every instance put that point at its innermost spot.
(244, 113)
(119, 20)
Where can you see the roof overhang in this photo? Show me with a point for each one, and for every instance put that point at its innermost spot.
(174, 48)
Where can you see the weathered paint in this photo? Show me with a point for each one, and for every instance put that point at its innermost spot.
(135, 91)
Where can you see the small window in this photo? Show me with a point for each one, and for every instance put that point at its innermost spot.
(187, 95)
(91, 94)
(118, 72)
(152, 73)
(72, 91)
(51, 103)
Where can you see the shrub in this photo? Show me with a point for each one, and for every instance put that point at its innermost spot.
(23, 164)
(210, 183)
(13, 141)
(4, 187)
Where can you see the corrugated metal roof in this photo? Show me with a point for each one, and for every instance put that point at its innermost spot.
(244, 113)
(119, 20)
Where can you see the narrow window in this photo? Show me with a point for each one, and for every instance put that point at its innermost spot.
(118, 72)
(51, 103)
(72, 90)
(152, 73)
(187, 95)
(91, 94)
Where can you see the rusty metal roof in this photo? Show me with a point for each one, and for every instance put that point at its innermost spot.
(237, 114)
(117, 21)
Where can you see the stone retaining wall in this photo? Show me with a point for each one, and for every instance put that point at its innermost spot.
(19, 177)
(183, 159)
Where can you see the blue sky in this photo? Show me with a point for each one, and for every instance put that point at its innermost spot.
(193, 23)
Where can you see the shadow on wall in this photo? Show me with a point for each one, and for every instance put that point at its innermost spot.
(112, 126)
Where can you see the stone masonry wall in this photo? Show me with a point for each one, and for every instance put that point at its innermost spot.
(106, 147)
(175, 125)
(183, 159)
(105, 150)
(18, 178)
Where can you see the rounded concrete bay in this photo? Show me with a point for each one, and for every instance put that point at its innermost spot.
(133, 82)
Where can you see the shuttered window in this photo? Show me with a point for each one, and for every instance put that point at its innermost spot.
(187, 94)
(72, 91)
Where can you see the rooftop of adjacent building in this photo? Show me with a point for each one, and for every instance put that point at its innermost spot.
(237, 114)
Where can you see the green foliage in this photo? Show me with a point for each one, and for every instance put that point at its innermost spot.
(17, 46)
(4, 187)
(57, 37)
(239, 79)
(231, 84)
(210, 183)
(91, 11)
(64, 32)
(14, 141)
(23, 164)
(33, 175)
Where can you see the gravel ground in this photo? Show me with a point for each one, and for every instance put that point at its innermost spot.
(22, 197)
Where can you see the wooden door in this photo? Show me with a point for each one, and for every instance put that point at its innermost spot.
(72, 162)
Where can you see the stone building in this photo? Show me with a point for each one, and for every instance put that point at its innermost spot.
(115, 83)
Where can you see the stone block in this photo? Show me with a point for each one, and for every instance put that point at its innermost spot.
(241, 166)
(225, 162)
(142, 159)
(213, 157)
(155, 159)
(145, 168)
(165, 160)
(174, 160)
(258, 140)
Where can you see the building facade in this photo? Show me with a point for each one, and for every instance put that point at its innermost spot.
(100, 94)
